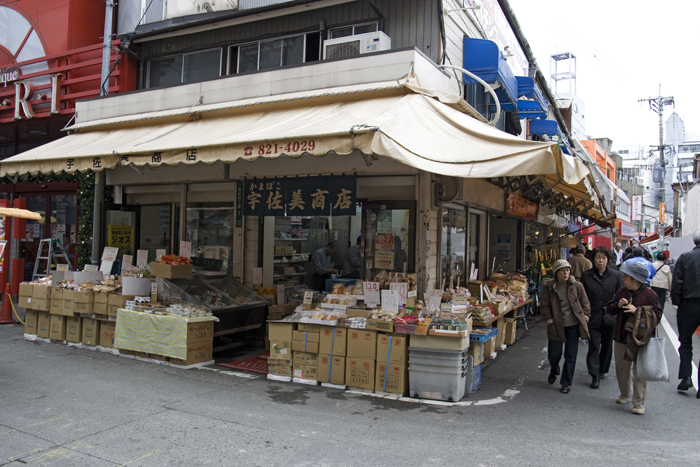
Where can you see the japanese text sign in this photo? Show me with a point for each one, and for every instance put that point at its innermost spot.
(371, 292)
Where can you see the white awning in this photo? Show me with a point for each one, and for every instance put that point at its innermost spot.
(403, 122)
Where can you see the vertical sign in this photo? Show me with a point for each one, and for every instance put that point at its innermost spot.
(637, 208)
(401, 289)
(662, 213)
(239, 205)
(186, 249)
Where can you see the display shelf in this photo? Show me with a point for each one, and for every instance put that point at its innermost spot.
(291, 239)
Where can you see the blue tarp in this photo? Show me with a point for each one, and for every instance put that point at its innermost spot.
(543, 128)
(483, 58)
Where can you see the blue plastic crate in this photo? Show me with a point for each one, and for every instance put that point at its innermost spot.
(483, 337)
(476, 379)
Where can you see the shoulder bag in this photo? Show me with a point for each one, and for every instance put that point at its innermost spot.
(651, 360)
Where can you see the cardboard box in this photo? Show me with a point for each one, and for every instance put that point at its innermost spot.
(200, 331)
(279, 361)
(379, 325)
(334, 341)
(489, 347)
(500, 325)
(391, 378)
(309, 337)
(280, 331)
(279, 250)
(277, 312)
(25, 302)
(74, 328)
(56, 306)
(196, 353)
(305, 358)
(280, 348)
(43, 324)
(31, 319)
(306, 327)
(83, 296)
(331, 369)
(26, 290)
(171, 272)
(82, 307)
(101, 297)
(57, 293)
(305, 372)
(126, 352)
(359, 372)
(509, 333)
(41, 291)
(440, 343)
(280, 370)
(91, 332)
(362, 344)
(67, 309)
(115, 302)
(107, 331)
(41, 304)
(362, 313)
(476, 350)
(100, 308)
(160, 358)
(301, 346)
(57, 330)
(392, 347)
(289, 250)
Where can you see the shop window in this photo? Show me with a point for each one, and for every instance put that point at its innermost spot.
(476, 97)
(353, 30)
(154, 233)
(394, 218)
(288, 51)
(210, 232)
(454, 237)
(165, 72)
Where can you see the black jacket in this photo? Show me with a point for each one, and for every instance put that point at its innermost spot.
(686, 277)
(600, 289)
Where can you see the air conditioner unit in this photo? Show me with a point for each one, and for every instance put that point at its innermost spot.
(358, 44)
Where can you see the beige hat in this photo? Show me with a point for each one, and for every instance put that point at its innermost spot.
(558, 264)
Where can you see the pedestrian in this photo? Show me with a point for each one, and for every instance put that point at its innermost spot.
(662, 281)
(565, 309)
(579, 263)
(685, 293)
(619, 254)
(627, 254)
(638, 257)
(322, 265)
(638, 311)
(600, 282)
(351, 267)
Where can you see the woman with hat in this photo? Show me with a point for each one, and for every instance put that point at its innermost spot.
(565, 308)
(633, 297)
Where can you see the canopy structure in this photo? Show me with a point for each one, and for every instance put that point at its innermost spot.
(20, 214)
(418, 127)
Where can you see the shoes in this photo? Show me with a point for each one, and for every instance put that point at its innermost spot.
(565, 389)
(685, 384)
(638, 410)
(621, 400)
(602, 376)
(595, 384)
(552, 379)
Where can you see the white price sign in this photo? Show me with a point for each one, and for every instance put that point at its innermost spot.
(308, 297)
(390, 301)
(460, 299)
(371, 290)
(257, 275)
(435, 299)
(141, 258)
(91, 267)
(401, 289)
(186, 249)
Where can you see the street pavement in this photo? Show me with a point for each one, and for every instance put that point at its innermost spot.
(66, 406)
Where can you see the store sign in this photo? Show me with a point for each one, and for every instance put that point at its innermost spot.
(662, 213)
(384, 250)
(637, 208)
(307, 196)
(521, 207)
(627, 230)
(120, 236)
(9, 74)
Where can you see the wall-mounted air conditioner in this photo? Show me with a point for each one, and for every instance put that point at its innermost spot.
(358, 44)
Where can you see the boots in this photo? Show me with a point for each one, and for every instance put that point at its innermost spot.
(685, 384)
(595, 383)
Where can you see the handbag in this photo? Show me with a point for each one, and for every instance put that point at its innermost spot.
(651, 360)
(609, 320)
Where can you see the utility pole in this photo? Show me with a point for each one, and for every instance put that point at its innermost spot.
(657, 104)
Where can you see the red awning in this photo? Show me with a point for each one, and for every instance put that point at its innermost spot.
(654, 237)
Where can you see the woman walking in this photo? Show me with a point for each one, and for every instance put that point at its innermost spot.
(661, 283)
(565, 308)
(638, 312)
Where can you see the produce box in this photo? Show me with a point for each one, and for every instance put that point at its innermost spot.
(171, 272)
(57, 330)
(31, 319)
(307, 327)
(43, 326)
(392, 348)
(26, 290)
(56, 306)
(200, 331)
(334, 341)
(41, 304)
(391, 378)
(25, 302)
(279, 361)
(309, 337)
(301, 346)
(91, 332)
(359, 372)
(101, 297)
(362, 344)
(74, 329)
(107, 331)
(331, 369)
(279, 250)
(305, 358)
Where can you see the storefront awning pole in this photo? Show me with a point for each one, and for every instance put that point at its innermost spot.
(99, 196)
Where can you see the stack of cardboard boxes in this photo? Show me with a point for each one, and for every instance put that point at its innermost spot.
(332, 355)
(305, 346)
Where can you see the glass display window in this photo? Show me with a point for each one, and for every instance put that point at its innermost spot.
(454, 248)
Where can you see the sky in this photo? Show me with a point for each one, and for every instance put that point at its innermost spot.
(624, 50)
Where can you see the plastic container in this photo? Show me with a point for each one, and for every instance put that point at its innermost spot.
(405, 328)
(439, 357)
(438, 382)
(483, 337)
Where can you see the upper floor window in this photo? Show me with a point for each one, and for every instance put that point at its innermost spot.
(275, 53)
(186, 68)
(689, 148)
(353, 30)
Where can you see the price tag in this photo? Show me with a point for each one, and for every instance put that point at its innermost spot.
(459, 299)
(110, 253)
(390, 301)
(280, 294)
(154, 288)
(106, 267)
(445, 308)
(186, 251)
(435, 299)
(308, 297)
(257, 275)
(459, 309)
(401, 289)
(61, 267)
(141, 258)
(127, 261)
(159, 253)
(371, 290)
(91, 267)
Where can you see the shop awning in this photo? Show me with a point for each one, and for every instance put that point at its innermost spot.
(525, 108)
(526, 86)
(404, 122)
(543, 128)
(483, 58)
(655, 237)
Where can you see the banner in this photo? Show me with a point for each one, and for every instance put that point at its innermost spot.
(301, 196)
(637, 208)
(521, 207)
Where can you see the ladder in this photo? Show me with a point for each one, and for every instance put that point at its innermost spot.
(54, 251)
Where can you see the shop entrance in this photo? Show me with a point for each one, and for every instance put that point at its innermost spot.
(388, 235)
(121, 224)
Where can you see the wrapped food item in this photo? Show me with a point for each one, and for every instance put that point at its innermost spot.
(174, 260)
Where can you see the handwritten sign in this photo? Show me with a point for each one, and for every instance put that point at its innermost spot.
(127, 262)
(159, 253)
(435, 299)
(401, 289)
(62, 267)
(91, 268)
(257, 275)
(110, 253)
(186, 250)
(390, 301)
(106, 267)
(371, 291)
(459, 299)
(308, 297)
(141, 258)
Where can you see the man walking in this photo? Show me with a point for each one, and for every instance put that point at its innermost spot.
(685, 293)
(579, 263)
(618, 253)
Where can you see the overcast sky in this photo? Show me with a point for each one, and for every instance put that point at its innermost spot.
(624, 50)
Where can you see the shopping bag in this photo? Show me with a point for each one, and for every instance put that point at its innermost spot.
(651, 360)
